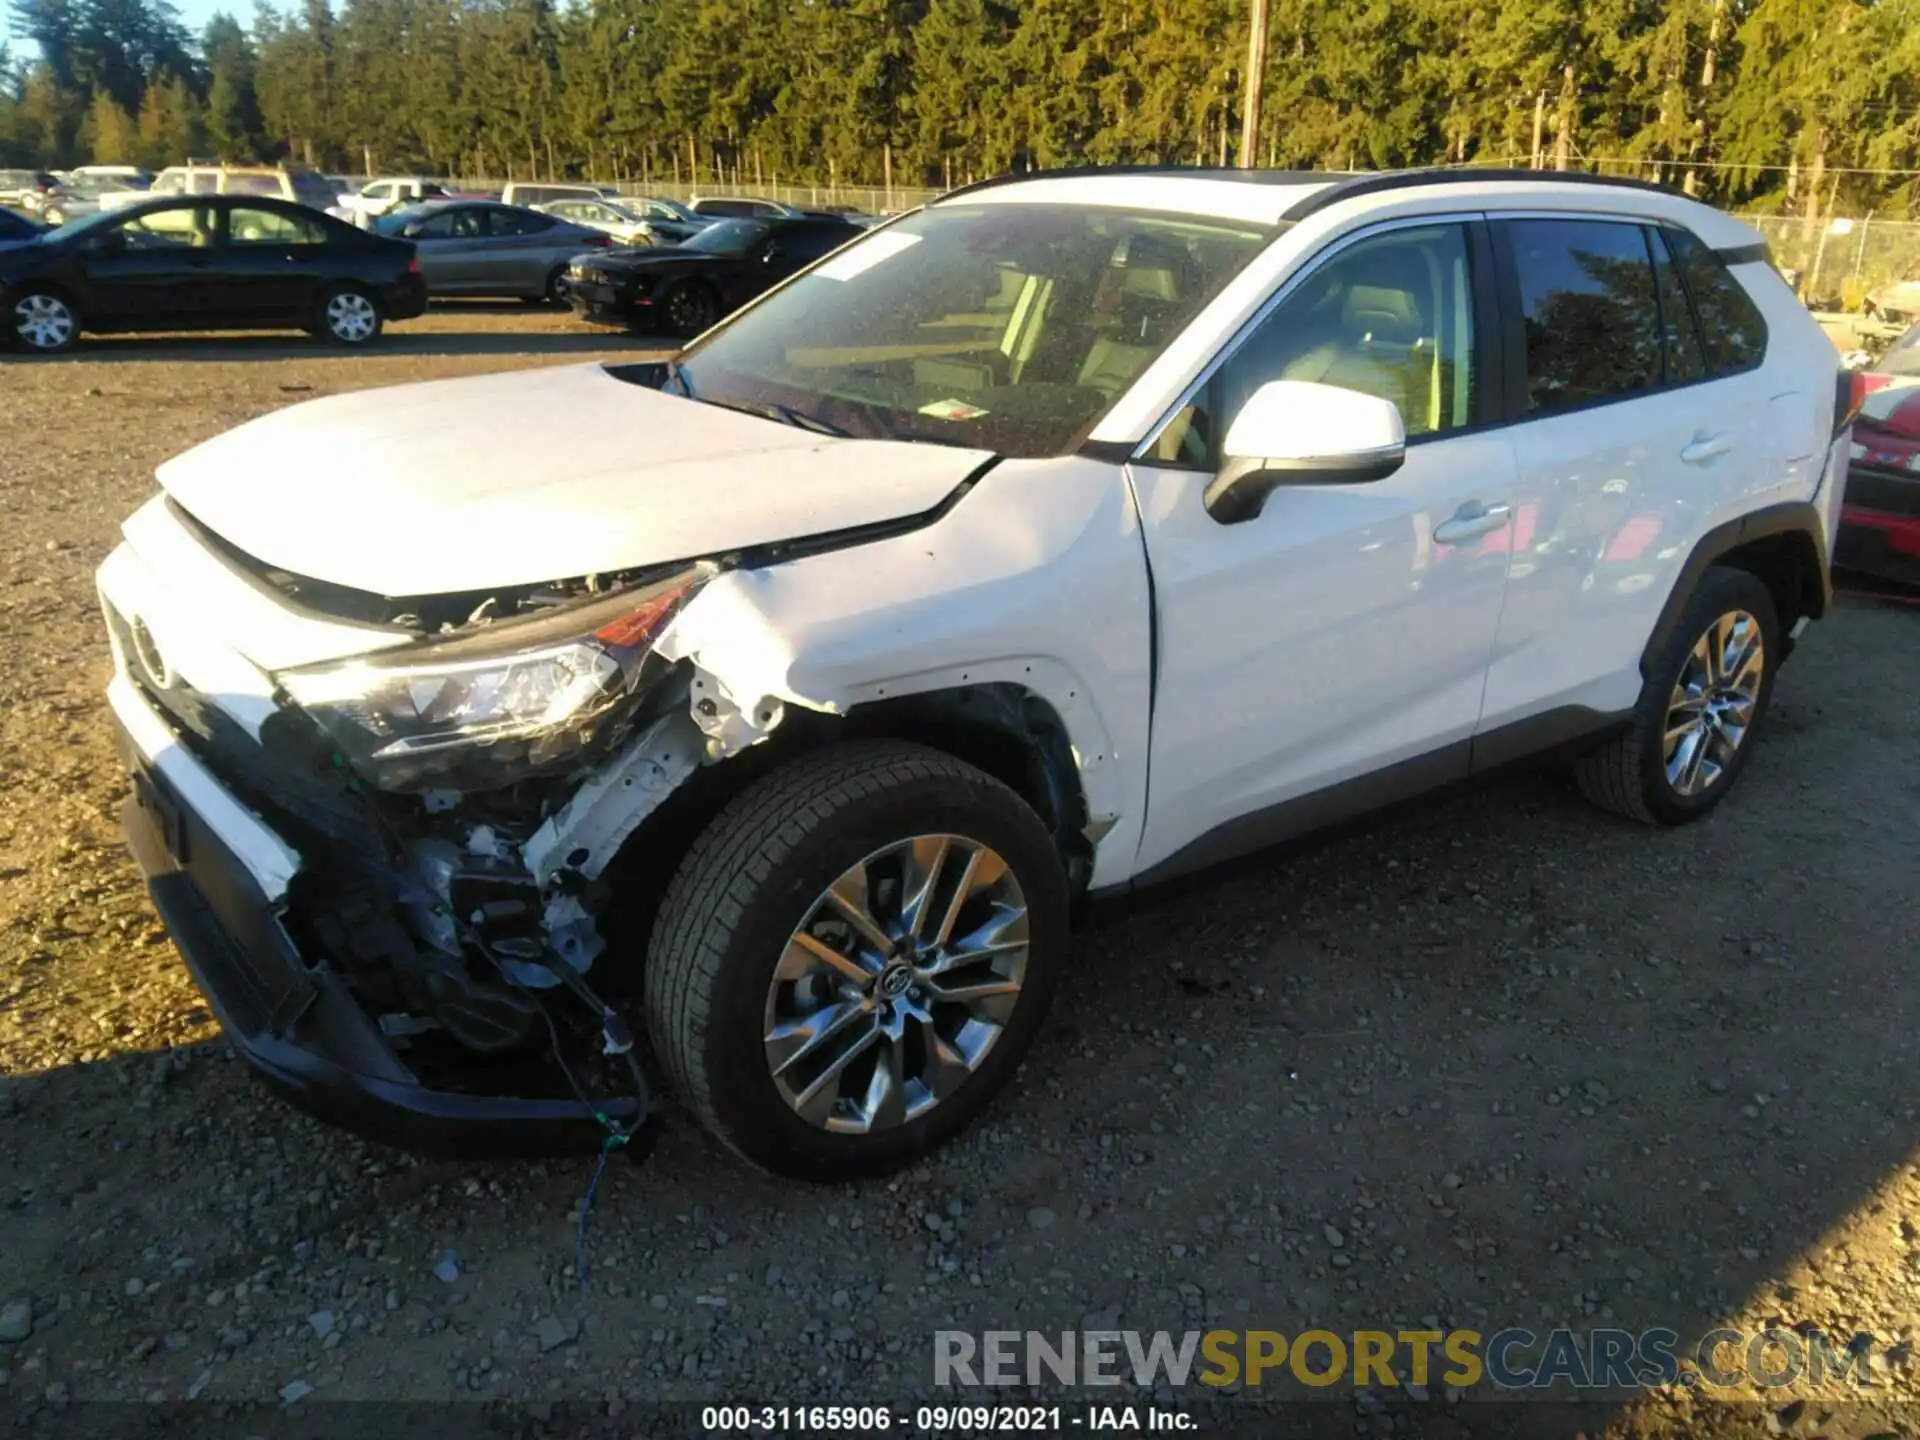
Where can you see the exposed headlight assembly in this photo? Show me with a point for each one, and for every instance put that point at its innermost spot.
(501, 705)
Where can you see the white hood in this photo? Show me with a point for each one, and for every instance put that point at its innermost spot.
(515, 479)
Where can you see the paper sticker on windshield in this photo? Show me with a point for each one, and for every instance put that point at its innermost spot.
(883, 245)
(952, 410)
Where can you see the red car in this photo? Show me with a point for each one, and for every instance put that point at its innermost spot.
(1880, 523)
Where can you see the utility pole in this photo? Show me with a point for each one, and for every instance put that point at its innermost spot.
(1256, 80)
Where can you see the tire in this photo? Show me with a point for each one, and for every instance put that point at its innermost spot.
(730, 921)
(559, 292)
(42, 321)
(1644, 774)
(691, 307)
(348, 315)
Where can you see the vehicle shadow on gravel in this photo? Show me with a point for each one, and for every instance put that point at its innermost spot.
(1495, 1060)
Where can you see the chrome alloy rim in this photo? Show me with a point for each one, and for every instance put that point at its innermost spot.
(896, 984)
(350, 316)
(43, 321)
(1711, 708)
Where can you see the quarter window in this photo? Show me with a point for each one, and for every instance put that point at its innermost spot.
(1732, 331)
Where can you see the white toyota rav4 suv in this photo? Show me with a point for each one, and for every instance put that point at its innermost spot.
(1067, 534)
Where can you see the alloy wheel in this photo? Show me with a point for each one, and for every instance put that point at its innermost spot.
(689, 310)
(1713, 702)
(896, 984)
(45, 322)
(351, 317)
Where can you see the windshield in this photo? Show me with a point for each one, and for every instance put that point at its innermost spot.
(729, 237)
(1005, 327)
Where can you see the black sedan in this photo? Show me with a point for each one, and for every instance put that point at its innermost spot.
(684, 289)
(207, 262)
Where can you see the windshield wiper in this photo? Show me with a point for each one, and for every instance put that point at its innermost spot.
(767, 410)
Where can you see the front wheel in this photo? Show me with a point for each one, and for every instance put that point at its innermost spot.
(853, 958)
(348, 316)
(1705, 695)
(691, 308)
(43, 321)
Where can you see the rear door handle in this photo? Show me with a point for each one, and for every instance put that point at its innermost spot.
(1705, 448)
(1471, 521)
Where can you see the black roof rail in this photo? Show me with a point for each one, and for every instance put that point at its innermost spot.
(1187, 172)
(1334, 185)
(1345, 187)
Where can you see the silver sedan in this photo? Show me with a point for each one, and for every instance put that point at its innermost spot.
(481, 247)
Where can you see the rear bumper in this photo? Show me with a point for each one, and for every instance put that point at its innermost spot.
(220, 880)
(407, 299)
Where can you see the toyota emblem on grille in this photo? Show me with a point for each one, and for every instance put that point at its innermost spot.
(147, 652)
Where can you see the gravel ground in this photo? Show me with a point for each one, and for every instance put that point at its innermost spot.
(1496, 1060)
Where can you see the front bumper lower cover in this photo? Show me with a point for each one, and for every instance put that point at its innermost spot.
(289, 1016)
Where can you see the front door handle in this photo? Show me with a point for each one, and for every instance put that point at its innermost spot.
(1471, 521)
(1705, 448)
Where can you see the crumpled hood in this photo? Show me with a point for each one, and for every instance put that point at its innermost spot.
(530, 476)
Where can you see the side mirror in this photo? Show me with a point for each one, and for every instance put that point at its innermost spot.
(1295, 432)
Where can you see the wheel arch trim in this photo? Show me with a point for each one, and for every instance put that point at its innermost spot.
(1797, 520)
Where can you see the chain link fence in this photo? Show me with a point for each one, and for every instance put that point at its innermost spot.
(1838, 264)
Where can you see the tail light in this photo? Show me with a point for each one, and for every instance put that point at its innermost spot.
(1849, 394)
(413, 263)
(597, 242)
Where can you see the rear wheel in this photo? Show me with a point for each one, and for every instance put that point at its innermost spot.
(691, 307)
(559, 288)
(348, 316)
(1705, 695)
(854, 956)
(43, 321)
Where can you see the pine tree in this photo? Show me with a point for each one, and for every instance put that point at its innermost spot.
(113, 138)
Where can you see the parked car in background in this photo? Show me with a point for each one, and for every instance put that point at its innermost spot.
(684, 289)
(742, 207)
(1898, 301)
(612, 218)
(1880, 523)
(207, 262)
(17, 229)
(482, 247)
(125, 177)
(377, 197)
(18, 188)
(298, 186)
(520, 192)
(78, 196)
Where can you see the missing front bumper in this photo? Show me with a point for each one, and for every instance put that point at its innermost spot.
(292, 1019)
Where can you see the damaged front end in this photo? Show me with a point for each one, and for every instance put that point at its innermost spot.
(449, 806)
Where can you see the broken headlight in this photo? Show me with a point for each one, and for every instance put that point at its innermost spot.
(511, 701)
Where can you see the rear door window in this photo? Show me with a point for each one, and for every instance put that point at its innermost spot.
(517, 222)
(1589, 310)
(1731, 328)
(250, 225)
